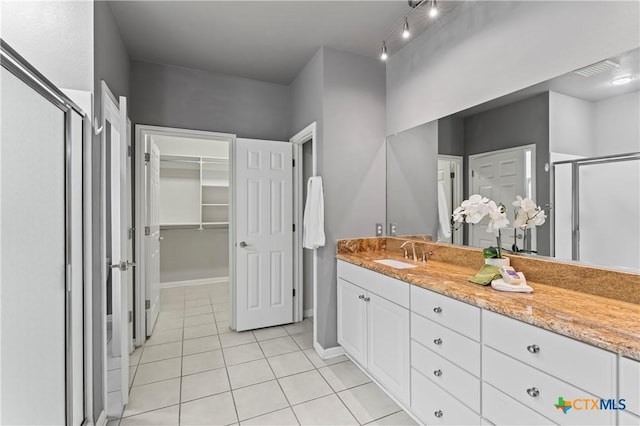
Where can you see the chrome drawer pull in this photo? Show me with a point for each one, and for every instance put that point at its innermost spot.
(533, 392)
(438, 413)
(437, 310)
(437, 373)
(438, 341)
(361, 296)
(534, 349)
(367, 299)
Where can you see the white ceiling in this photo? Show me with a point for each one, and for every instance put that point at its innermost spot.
(263, 40)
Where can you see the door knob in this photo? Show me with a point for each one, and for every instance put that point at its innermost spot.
(243, 244)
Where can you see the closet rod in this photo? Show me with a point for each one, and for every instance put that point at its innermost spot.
(180, 161)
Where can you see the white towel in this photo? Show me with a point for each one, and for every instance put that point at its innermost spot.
(521, 287)
(313, 233)
(443, 213)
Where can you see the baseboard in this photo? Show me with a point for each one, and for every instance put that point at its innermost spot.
(329, 352)
(102, 419)
(194, 282)
(308, 313)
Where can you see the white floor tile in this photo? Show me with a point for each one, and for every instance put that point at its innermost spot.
(343, 376)
(222, 316)
(172, 305)
(132, 374)
(304, 340)
(200, 331)
(319, 362)
(197, 310)
(398, 419)
(162, 417)
(169, 314)
(158, 371)
(259, 399)
(250, 373)
(167, 324)
(283, 417)
(235, 339)
(279, 346)
(299, 327)
(269, 333)
(304, 387)
(212, 410)
(204, 384)
(368, 402)
(194, 320)
(160, 352)
(223, 327)
(197, 302)
(204, 361)
(328, 410)
(200, 344)
(134, 358)
(164, 336)
(153, 396)
(244, 353)
(221, 307)
(288, 364)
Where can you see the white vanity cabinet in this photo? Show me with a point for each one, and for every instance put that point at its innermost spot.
(373, 325)
(630, 385)
(536, 367)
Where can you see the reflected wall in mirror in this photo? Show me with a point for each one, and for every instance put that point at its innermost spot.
(572, 144)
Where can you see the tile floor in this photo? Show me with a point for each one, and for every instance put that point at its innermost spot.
(195, 371)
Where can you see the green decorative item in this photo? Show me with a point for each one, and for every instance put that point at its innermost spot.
(485, 275)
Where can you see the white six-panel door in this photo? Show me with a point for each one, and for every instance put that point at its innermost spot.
(263, 233)
(500, 176)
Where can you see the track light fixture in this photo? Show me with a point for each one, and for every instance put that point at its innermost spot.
(405, 29)
(404, 22)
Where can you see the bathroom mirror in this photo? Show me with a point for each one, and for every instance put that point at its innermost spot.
(571, 144)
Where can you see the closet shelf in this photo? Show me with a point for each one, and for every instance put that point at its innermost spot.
(214, 205)
(215, 224)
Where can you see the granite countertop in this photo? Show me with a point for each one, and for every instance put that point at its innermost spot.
(606, 323)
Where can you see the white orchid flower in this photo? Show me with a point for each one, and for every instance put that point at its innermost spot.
(528, 215)
(497, 217)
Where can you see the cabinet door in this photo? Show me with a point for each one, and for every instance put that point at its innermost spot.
(389, 345)
(352, 321)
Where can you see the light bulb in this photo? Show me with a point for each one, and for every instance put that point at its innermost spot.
(622, 80)
(405, 29)
(433, 12)
(383, 52)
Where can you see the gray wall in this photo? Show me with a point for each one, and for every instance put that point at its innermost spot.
(520, 123)
(111, 64)
(345, 94)
(412, 162)
(484, 50)
(166, 95)
(56, 37)
(451, 136)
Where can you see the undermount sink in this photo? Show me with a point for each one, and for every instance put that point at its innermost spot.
(395, 263)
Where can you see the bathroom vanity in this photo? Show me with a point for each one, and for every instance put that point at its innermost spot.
(453, 352)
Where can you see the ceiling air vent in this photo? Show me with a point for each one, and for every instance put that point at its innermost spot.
(597, 68)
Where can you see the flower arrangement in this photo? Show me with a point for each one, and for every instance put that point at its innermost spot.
(527, 215)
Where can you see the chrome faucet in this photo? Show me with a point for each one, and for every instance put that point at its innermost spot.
(413, 246)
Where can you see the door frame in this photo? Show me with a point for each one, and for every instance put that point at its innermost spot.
(111, 108)
(308, 134)
(457, 160)
(523, 149)
(141, 131)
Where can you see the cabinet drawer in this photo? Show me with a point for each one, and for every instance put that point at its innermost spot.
(540, 391)
(458, 316)
(501, 409)
(450, 377)
(455, 347)
(585, 366)
(630, 384)
(394, 290)
(434, 406)
(628, 419)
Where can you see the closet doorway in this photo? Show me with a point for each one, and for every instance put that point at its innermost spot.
(183, 182)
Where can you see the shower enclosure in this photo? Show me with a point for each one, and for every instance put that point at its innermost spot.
(596, 210)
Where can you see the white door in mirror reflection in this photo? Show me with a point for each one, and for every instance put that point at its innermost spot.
(501, 176)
